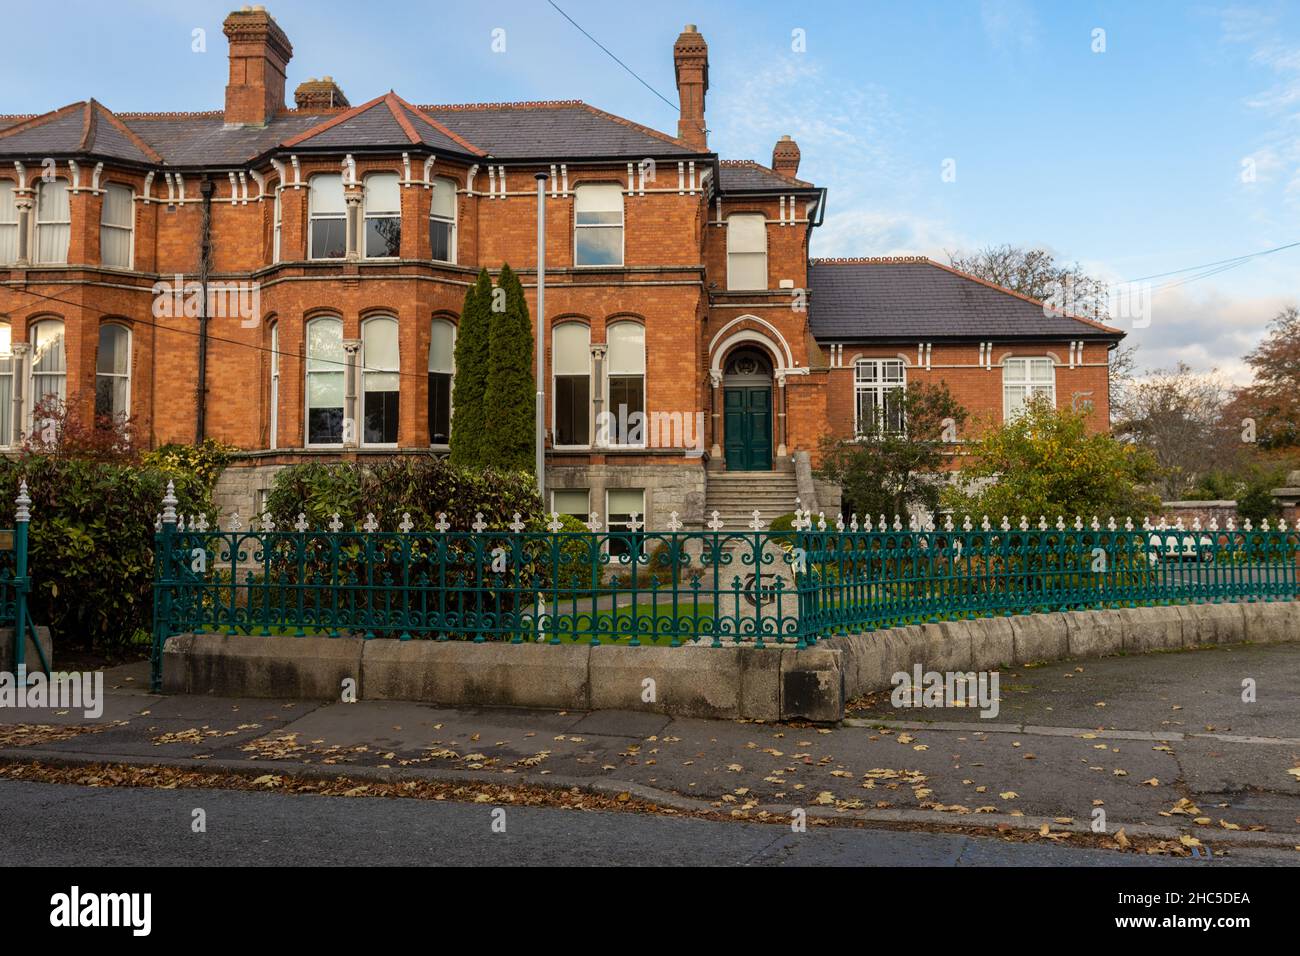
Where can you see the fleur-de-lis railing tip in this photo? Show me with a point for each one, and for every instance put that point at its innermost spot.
(336, 523)
(517, 524)
(715, 522)
(555, 524)
(236, 522)
(300, 525)
(442, 524)
(479, 525)
(406, 525)
(674, 522)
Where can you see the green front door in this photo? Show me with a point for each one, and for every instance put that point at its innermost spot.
(747, 426)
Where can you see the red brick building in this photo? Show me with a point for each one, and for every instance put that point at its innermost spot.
(693, 350)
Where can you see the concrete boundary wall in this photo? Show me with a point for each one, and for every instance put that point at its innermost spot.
(774, 683)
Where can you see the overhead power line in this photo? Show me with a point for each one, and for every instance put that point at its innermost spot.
(610, 54)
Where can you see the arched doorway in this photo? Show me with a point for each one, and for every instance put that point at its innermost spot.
(747, 410)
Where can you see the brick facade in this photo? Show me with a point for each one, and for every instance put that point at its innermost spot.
(673, 279)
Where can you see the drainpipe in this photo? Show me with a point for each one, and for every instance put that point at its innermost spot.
(205, 256)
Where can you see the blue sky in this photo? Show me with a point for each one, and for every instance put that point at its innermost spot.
(1129, 161)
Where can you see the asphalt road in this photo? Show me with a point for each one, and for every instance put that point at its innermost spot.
(57, 825)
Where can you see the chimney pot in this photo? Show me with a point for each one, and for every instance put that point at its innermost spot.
(322, 94)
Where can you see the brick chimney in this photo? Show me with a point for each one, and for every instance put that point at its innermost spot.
(259, 53)
(322, 94)
(691, 58)
(785, 157)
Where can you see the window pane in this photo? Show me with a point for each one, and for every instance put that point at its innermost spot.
(8, 243)
(8, 207)
(595, 203)
(381, 417)
(328, 239)
(442, 346)
(52, 202)
(626, 348)
(6, 408)
(327, 194)
(572, 352)
(747, 270)
(325, 345)
(47, 347)
(626, 397)
(114, 351)
(379, 344)
(325, 425)
(601, 246)
(443, 200)
(111, 396)
(115, 247)
(383, 237)
(621, 503)
(52, 242)
(325, 390)
(117, 209)
(572, 410)
(747, 232)
(571, 501)
(439, 408)
(382, 194)
(440, 241)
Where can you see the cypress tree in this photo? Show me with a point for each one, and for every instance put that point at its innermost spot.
(510, 402)
(468, 418)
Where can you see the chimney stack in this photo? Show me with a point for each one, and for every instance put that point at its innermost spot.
(691, 58)
(322, 94)
(785, 157)
(259, 53)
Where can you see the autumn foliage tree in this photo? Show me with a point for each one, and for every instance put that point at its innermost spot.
(1268, 410)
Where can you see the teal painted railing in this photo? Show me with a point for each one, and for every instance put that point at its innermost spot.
(16, 585)
(714, 587)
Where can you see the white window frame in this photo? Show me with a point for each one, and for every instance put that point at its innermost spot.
(732, 282)
(11, 187)
(38, 223)
(129, 229)
(368, 214)
(7, 356)
(451, 385)
(622, 528)
(272, 441)
(555, 391)
(1024, 379)
(366, 371)
(130, 344)
(276, 223)
(621, 227)
(313, 216)
(610, 374)
(307, 374)
(881, 386)
(32, 398)
(455, 208)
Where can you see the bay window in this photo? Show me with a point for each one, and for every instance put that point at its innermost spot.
(53, 221)
(113, 373)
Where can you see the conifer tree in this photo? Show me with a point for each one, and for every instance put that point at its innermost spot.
(468, 419)
(510, 401)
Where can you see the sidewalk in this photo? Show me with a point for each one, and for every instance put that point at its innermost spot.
(1162, 742)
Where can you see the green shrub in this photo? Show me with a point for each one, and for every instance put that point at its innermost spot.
(91, 542)
(785, 524)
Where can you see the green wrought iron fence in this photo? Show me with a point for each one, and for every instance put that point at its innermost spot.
(712, 586)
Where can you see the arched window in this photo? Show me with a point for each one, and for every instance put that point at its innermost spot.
(116, 227)
(328, 214)
(274, 398)
(626, 376)
(383, 206)
(747, 251)
(598, 225)
(442, 221)
(442, 369)
(1023, 379)
(53, 221)
(113, 372)
(6, 385)
(8, 223)
(49, 364)
(325, 381)
(571, 361)
(380, 359)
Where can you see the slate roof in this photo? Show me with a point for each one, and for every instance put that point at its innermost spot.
(385, 121)
(912, 299)
(745, 175)
(568, 129)
(79, 128)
